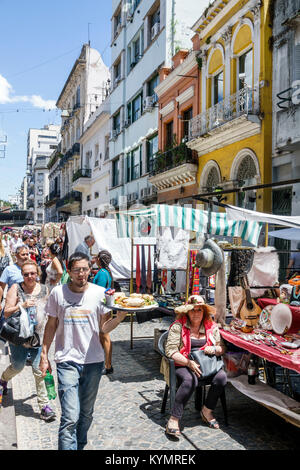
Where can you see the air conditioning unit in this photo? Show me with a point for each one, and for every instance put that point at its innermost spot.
(148, 103)
(114, 134)
(155, 30)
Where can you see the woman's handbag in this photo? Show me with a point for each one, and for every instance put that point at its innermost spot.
(209, 365)
(10, 331)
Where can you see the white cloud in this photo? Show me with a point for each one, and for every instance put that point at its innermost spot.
(6, 96)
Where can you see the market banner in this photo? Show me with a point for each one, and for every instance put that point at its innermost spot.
(136, 224)
(145, 222)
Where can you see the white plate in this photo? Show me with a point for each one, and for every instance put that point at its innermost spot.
(135, 309)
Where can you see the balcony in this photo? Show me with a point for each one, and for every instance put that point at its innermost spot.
(70, 203)
(81, 179)
(173, 167)
(51, 198)
(231, 120)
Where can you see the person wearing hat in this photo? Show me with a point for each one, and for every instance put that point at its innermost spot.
(193, 329)
(104, 279)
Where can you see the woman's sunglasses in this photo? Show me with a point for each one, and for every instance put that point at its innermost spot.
(29, 274)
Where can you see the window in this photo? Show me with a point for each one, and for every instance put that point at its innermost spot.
(152, 148)
(115, 173)
(53, 147)
(135, 50)
(134, 108)
(134, 164)
(187, 116)
(88, 198)
(78, 96)
(245, 70)
(217, 88)
(154, 24)
(106, 144)
(96, 195)
(117, 22)
(117, 72)
(169, 135)
(117, 123)
(153, 82)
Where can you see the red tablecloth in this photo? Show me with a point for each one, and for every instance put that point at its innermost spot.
(266, 352)
(295, 313)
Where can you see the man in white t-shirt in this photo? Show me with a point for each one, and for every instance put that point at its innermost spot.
(76, 315)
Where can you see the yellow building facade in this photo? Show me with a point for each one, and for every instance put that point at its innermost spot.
(232, 134)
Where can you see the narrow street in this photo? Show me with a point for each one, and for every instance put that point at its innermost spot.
(127, 411)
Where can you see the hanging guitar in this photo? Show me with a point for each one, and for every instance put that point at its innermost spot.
(249, 311)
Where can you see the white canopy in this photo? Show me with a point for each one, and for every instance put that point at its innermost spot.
(286, 234)
(106, 238)
(238, 213)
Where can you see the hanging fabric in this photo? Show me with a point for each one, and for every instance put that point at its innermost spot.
(138, 270)
(164, 279)
(194, 274)
(149, 273)
(143, 272)
(173, 280)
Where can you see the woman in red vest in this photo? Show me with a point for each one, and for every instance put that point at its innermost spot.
(194, 329)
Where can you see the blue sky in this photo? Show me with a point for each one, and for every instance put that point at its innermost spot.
(39, 43)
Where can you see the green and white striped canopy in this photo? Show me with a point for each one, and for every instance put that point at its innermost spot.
(187, 218)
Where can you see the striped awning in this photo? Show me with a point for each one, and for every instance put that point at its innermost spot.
(187, 218)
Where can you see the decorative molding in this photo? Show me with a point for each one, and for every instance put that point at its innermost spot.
(174, 77)
(186, 95)
(226, 134)
(238, 160)
(167, 109)
(227, 35)
(179, 176)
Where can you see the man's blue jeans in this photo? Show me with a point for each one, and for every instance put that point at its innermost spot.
(77, 389)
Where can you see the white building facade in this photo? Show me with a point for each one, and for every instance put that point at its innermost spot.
(145, 36)
(40, 145)
(93, 179)
(82, 94)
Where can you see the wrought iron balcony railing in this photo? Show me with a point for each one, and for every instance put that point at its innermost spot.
(82, 173)
(170, 159)
(244, 102)
(69, 198)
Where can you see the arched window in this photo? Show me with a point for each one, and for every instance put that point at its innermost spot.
(246, 175)
(212, 178)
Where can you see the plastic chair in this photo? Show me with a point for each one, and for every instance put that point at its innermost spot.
(200, 392)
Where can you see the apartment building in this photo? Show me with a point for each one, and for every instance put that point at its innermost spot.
(92, 180)
(286, 106)
(145, 35)
(84, 91)
(231, 130)
(40, 145)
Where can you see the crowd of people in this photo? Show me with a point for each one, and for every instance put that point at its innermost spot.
(63, 300)
(59, 298)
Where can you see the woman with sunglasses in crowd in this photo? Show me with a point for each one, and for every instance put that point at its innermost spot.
(32, 296)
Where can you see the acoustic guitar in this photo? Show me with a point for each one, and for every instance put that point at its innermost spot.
(249, 311)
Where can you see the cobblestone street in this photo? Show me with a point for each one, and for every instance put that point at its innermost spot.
(127, 412)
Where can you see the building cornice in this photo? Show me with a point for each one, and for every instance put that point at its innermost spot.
(175, 75)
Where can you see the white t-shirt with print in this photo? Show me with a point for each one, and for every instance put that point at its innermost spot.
(77, 334)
